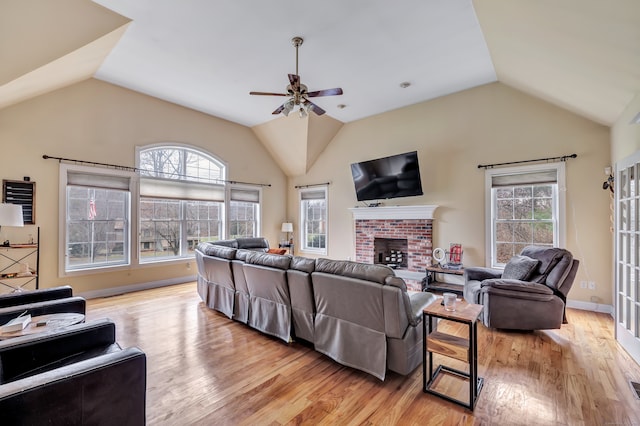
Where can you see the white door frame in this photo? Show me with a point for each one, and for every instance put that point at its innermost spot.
(626, 297)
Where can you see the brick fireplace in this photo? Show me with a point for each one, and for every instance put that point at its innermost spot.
(397, 224)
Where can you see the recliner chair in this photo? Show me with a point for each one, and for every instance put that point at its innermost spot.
(530, 294)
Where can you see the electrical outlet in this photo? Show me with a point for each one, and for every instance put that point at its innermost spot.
(592, 285)
(583, 284)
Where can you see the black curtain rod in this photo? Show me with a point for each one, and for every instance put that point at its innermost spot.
(312, 185)
(563, 158)
(136, 169)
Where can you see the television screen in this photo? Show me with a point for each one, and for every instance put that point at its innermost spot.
(388, 177)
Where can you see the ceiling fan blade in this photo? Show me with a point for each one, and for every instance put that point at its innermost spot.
(278, 110)
(326, 92)
(315, 108)
(268, 94)
(294, 79)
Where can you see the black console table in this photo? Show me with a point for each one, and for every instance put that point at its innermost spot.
(432, 284)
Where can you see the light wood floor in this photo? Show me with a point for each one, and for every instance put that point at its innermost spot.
(206, 369)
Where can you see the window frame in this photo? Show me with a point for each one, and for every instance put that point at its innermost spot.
(64, 171)
(258, 213)
(195, 182)
(559, 204)
(302, 212)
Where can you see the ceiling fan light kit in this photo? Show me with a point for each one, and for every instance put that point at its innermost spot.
(298, 93)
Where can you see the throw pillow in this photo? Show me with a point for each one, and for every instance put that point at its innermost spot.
(277, 251)
(520, 268)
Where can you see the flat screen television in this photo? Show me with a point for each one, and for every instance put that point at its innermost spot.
(388, 177)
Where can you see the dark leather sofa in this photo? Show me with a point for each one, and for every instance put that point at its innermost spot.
(77, 305)
(75, 376)
(41, 295)
(40, 302)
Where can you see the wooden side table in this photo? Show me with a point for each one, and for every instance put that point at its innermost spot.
(464, 349)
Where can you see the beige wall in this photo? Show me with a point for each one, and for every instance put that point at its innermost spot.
(453, 134)
(100, 122)
(96, 121)
(625, 137)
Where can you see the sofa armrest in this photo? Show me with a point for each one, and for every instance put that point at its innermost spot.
(76, 305)
(517, 289)
(107, 389)
(25, 355)
(26, 297)
(419, 300)
(476, 273)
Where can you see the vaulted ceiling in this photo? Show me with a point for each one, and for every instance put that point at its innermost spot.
(582, 55)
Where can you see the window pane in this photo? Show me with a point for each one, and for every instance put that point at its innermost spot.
(160, 236)
(524, 215)
(523, 208)
(543, 234)
(523, 233)
(243, 219)
(504, 252)
(314, 224)
(504, 209)
(97, 227)
(203, 223)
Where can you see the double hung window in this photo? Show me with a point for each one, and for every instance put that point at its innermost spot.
(181, 202)
(526, 206)
(313, 215)
(244, 211)
(178, 198)
(97, 212)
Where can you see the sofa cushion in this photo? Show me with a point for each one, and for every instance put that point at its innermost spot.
(241, 254)
(549, 258)
(267, 259)
(253, 243)
(303, 264)
(520, 268)
(217, 251)
(375, 273)
(225, 243)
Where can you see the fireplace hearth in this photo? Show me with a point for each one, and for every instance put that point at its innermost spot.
(403, 234)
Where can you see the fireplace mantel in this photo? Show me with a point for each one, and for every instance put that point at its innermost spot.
(394, 212)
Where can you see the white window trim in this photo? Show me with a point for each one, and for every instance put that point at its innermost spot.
(228, 203)
(62, 223)
(136, 202)
(561, 205)
(301, 221)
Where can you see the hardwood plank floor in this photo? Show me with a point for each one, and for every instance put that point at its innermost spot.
(205, 369)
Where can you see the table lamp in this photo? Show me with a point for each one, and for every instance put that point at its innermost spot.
(10, 215)
(287, 227)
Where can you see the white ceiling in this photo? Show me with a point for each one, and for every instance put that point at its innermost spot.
(208, 55)
(583, 55)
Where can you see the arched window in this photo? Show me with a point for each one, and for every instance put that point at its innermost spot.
(182, 201)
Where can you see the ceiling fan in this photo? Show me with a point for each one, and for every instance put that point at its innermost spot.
(298, 92)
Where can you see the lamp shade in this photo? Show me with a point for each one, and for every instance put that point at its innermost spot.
(11, 215)
(287, 227)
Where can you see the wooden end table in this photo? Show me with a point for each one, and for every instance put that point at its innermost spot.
(464, 349)
(51, 322)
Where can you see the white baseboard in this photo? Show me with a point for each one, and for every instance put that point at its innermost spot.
(590, 306)
(114, 291)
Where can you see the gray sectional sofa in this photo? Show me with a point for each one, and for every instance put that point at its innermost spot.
(359, 315)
